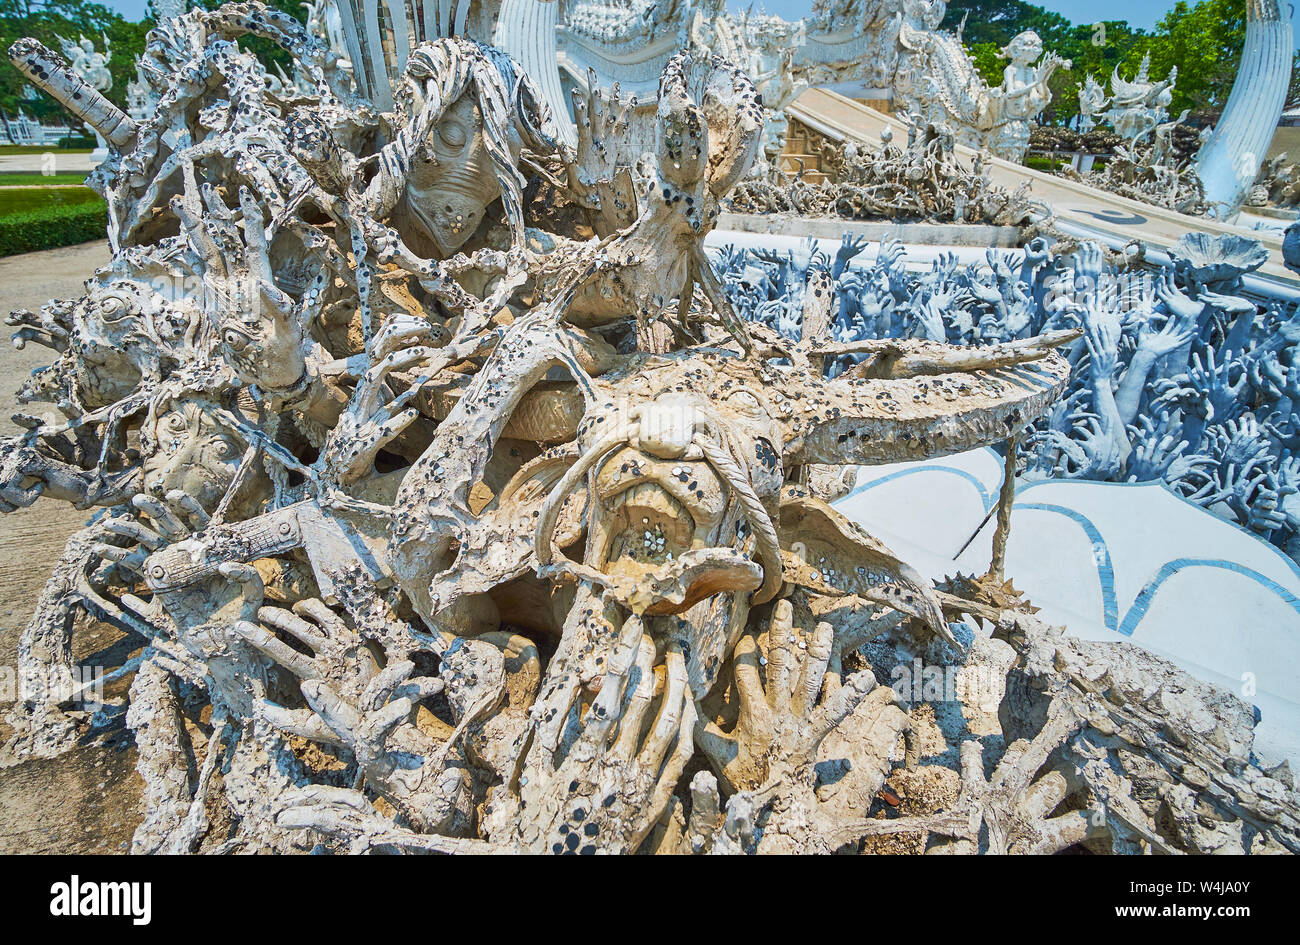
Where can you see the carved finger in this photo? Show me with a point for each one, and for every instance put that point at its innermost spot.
(781, 667)
(395, 361)
(638, 704)
(839, 706)
(749, 683)
(814, 668)
(399, 333)
(331, 623)
(302, 722)
(706, 811)
(150, 611)
(250, 584)
(163, 519)
(605, 710)
(420, 688)
(186, 503)
(682, 751)
(719, 747)
(379, 724)
(136, 532)
(337, 713)
(381, 688)
(265, 642)
(198, 236)
(1058, 833)
(295, 626)
(669, 724)
(41, 336)
(131, 558)
(1043, 796)
(386, 428)
(332, 810)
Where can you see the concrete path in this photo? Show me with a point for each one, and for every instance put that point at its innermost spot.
(87, 800)
(1082, 210)
(63, 162)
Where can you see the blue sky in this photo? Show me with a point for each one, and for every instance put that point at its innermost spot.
(1140, 13)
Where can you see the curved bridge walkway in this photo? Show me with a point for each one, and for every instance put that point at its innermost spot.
(1081, 211)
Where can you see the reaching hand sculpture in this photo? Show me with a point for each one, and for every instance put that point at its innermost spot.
(1172, 362)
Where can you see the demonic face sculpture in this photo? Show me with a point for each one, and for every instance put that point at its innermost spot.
(452, 179)
(263, 346)
(192, 452)
(686, 483)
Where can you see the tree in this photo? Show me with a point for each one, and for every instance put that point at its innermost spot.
(46, 20)
(1204, 41)
(988, 61)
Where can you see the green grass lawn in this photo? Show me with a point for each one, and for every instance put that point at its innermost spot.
(31, 179)
(37, 198)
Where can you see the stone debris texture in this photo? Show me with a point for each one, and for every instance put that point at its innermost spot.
(451, 517)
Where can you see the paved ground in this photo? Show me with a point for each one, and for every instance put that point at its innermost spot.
(841, 118)
(52, 162)
(87, 800)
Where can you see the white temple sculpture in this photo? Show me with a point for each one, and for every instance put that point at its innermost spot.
(890, 49)
(1092, 99)
(1229, 161)
(1139, 106)
(452, 505)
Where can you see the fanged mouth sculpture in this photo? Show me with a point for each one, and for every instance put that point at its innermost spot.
(675, 518)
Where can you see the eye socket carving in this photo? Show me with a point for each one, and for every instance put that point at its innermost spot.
(452, 135)
(745, 400)
(223, 448)
(234, 340)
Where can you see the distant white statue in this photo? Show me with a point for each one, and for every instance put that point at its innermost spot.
(1023, 93)
(139, 96)
(88, 62)
(924, 14)
(1092, 101)
(92, 65)
(779, 87)
(1139, 106)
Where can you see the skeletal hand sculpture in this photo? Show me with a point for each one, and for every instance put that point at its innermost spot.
(441, 524)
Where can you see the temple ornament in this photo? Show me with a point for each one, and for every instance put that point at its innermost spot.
(456, 505)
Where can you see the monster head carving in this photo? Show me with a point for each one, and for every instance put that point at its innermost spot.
(189, 446)
(685, 492)
(465, 112)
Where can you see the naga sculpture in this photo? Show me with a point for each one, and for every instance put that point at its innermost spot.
(449, 517)
(937, 81)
